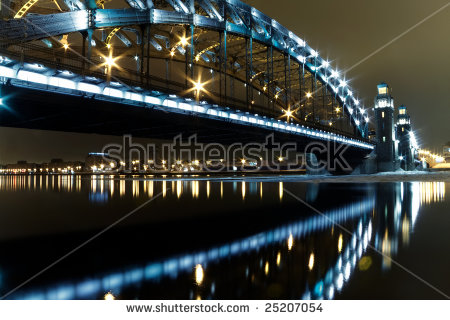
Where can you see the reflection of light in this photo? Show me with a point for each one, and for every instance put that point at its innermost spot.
(266, 268)
(243, 189)
(261, 190)
(405, 230)
(278, 258)
(135, 185)
(179, 188)
(311, 261)
(339, 281)
(221, 189)
(340, 243)
(208, 188)
(195, 189)
(347, 271)
(280, 190)
(174, 265)
(365, 263)
(150, 189)
(290, 242)
(164, 188)
(431, 192)
(386, 250)
(330, 292)
(199, 274)
(109, 296)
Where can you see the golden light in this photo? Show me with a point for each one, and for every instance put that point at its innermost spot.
(108, 45)
(311, 261)
(340, 240)
(266, 268)
(338, 109)
(308, 95)
(365, 263)
(65, 46)
(289, 113)
(109, 296)
(330, 123)
(280, 190)
(112, 164)
(278, 258)
(198, 86)
(280, 159)
(109, 61)
(290, 242)
(184, 42)
(199, 274)
(243, 161)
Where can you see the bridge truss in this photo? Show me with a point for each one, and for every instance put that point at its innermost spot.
(221, 52)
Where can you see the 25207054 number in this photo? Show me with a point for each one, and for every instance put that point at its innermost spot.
(293, 307)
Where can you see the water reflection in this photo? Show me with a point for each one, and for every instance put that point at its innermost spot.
(301, 256)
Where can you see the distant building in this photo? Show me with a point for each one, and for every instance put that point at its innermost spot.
(99, 162)
(446, 152)
(21, 166)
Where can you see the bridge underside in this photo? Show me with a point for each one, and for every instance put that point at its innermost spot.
(35, 109)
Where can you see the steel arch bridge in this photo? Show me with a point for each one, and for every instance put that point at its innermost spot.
(193, 55)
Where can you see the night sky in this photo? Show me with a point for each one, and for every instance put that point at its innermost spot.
(417, 67)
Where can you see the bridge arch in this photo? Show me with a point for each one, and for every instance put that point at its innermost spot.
(245, 59)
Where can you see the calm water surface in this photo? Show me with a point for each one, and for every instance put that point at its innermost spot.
(222, 239)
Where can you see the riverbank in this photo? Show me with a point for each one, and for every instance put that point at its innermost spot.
(403, 176)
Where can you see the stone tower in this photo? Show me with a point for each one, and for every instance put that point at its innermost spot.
(386, 148)
(405, 147)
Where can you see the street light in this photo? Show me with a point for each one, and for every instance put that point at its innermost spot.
(184, 42)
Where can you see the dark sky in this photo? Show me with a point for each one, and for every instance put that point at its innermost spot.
(417, 66)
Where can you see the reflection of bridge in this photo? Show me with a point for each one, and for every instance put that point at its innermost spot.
(328, 282)
(221, 62)
(381, 216)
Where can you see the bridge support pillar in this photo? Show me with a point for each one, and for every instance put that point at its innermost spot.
(314, 166)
